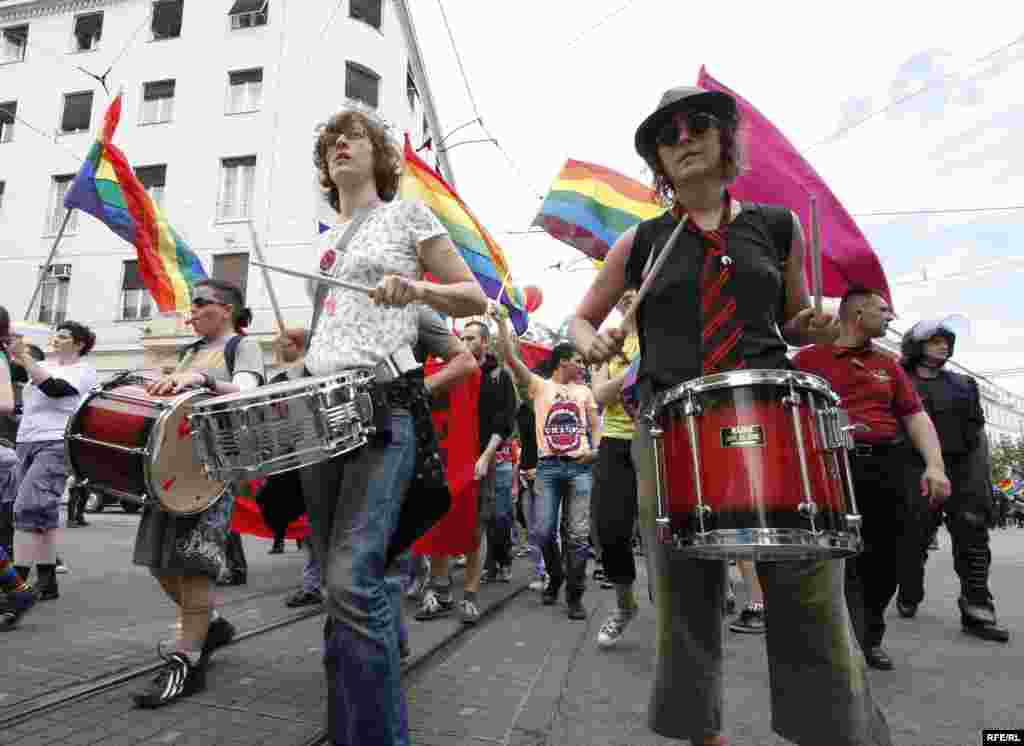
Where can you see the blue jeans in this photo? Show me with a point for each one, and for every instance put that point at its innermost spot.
(499, 527)
(562, 481)
(354, 503)
(311, 572)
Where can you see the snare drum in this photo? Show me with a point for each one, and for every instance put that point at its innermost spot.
(283, 426)
(138, 446)
(753, 465)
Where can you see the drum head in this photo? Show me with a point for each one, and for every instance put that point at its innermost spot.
(176, 476)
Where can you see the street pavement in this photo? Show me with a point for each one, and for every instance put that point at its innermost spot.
(525, 675)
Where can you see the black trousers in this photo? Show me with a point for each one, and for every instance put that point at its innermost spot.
(614, 504)
(967, 512)
(887, 485)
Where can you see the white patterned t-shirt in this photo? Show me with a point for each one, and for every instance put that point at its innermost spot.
(352, 331)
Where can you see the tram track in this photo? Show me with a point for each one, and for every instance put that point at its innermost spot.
(56, 700)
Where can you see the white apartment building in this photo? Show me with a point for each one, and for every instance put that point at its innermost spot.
(220, 102)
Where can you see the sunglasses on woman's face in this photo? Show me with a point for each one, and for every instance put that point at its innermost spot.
(692, 123)
(204, 302)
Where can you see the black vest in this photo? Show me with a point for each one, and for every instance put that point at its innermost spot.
(954, 404)
(669, 317)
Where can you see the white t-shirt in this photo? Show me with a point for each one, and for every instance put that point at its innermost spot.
(44, 418)
(353, 332)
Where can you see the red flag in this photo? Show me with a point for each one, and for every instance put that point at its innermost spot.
(457, 421)
(779, 175)
(248, 519)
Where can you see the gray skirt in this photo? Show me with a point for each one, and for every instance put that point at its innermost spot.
(185, 544)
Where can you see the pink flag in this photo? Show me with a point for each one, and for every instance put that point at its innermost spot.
(779, 175)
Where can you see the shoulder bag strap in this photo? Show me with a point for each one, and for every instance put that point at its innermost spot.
(323, 288)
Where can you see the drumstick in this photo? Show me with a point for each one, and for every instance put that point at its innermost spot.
(658, 263)
(816, 254)
(266, 277)
(315, 278)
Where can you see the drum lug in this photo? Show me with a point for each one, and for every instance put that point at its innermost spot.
(809, 509)
(663, 531)
(853, 521)
(692, 408)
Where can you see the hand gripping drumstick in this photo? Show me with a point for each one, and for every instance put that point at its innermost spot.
(315, 278)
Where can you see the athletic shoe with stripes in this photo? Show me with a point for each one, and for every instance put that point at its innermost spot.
(178, 678)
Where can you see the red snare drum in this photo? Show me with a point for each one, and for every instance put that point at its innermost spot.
(138, 446)
(752, 465)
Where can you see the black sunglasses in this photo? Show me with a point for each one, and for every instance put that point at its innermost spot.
(203, 302)
(697, 123)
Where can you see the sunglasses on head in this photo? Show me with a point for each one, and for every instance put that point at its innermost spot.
(696, 123)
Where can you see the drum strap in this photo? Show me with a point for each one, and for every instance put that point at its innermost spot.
(323, 288)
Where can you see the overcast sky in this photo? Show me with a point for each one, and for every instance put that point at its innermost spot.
(574, 78)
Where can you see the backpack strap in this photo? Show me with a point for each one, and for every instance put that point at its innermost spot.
(230, 351)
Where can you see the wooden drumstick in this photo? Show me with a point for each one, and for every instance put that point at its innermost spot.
(315, 278)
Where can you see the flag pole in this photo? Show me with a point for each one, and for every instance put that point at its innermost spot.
(46, 265)
(816, 253)
(266, 276)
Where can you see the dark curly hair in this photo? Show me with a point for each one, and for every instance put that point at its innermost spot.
(733, 159)
(387, 160)
(230, 293)
(80, 333)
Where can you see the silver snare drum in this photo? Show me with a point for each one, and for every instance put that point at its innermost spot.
(283, 426)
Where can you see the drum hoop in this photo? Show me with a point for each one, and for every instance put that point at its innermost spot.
(287, 389)
(742, 378)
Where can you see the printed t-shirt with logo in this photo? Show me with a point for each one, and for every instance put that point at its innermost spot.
(566, 415)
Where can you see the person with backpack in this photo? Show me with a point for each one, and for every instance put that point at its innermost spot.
(729, 294)
(187, 553)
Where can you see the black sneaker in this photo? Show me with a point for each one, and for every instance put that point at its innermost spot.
(751, 621)
(220, 633)
(14, 605)
(550, 595)
(304, 598)
(437, 602)
(576, 611)
(179, 678)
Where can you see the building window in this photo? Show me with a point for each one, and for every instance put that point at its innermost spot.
(55, 214)
(13, 43)
(136, 302)
(245, 90)
(248, 13)
(367, 11)
(53, 295)
(362, 84)
(410, 88)
(8, 111)
(236, 187)
(154, 178)
(88, 29)
(77, 112)
(157, 101)
(167, 15)
(233, 268)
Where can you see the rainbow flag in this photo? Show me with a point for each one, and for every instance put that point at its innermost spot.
(478, 248)
(106, 187)
(590, 206)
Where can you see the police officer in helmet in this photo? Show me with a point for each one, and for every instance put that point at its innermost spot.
(953, 402)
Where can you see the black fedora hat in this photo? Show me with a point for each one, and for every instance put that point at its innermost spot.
(722, 105)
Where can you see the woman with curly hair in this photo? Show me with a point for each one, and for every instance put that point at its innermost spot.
(386, 244)
(54, 391)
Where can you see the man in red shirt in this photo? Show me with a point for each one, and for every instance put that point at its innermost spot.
(896, 436)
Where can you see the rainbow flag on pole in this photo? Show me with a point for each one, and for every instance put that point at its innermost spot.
(590, 206)
(478, 248)
(106, 187)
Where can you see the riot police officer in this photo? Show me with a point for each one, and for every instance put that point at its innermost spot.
(954, 404)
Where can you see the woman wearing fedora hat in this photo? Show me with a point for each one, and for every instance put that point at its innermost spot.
(740, 267)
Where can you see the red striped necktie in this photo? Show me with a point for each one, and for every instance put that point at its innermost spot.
(722, 331)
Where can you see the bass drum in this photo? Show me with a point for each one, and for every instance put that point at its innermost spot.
(138, 447)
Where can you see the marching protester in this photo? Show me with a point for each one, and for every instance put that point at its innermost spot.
(496, 417)
(186, 554)
(613, 501)
(733, 280)
(897, 461)
(953, 402)
(568, 436)
(386, 244)
(54, 391)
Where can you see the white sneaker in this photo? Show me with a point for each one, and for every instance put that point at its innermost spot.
(540, 584)
(614, 626)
